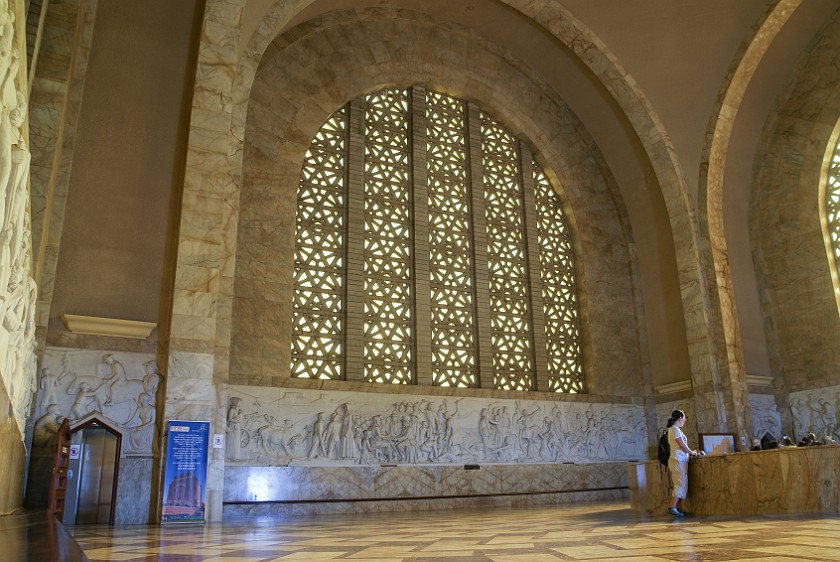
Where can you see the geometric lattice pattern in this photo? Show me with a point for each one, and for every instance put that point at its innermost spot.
(317, 324)
(557, 271)
(450, 244)
(506, 259)
(388, 303)
(384, 274)
(832, 204)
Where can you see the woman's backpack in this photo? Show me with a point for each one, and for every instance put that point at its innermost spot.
(664, 449)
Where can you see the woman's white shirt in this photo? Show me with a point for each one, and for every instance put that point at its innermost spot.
(674, 434)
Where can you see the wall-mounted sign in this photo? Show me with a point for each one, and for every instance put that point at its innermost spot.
(75, 451)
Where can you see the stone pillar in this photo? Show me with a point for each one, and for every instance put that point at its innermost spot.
(354, 299)
(420, 191)
(484, 329)
(539, 349)
(196, 336)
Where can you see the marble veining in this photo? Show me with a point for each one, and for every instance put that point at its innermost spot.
(791, 480)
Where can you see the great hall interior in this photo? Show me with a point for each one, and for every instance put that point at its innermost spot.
(410, 255)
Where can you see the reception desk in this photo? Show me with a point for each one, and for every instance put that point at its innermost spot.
(794, 480)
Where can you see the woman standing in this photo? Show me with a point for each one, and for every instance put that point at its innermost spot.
(678, 463)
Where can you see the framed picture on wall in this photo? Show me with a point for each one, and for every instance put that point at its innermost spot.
(717, 443)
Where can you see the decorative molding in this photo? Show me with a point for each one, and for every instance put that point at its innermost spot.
(673, 387)
(759, 380)
(111, 327)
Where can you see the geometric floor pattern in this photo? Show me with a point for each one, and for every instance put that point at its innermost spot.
(581, 532)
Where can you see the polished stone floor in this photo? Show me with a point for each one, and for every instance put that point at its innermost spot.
(538, 534)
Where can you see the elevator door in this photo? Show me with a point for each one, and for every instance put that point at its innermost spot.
(96, 476)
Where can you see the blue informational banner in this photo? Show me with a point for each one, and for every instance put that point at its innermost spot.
(185, 476)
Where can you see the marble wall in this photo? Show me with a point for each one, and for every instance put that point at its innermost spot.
(796, 284)
(299, 490)
(663, 412)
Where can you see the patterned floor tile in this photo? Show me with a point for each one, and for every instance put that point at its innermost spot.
(592, 532)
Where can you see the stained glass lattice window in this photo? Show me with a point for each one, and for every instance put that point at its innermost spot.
(559, 290)
(506, 258)
(450, 244)
(317, 321)
(356, 263)
(388, 291)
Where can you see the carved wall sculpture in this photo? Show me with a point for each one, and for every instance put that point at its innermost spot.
(663, 412)
(816, 411)
(302, 427)
(18, 292)
(765, 416)
(120, 386)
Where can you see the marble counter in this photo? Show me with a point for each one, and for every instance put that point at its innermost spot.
(796, 480)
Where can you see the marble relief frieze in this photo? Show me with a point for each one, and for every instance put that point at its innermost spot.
(765, 416)
(18, 290)
(303, 427)
(664, 410)
(816, 411)
(119, 387)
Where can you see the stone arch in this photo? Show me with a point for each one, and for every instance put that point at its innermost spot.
(289, 102)
(797, 293)
(724, 320)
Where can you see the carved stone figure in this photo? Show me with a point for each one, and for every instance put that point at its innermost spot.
(9, 64)
(233, 442)
(46, 428)
(141, 434)
(85, 401)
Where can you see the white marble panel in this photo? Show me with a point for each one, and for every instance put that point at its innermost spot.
(189, 389)
(119, 386)
(765, 416)
(316, 428)
(816, 411)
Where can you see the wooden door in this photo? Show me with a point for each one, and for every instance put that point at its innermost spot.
(58, 478)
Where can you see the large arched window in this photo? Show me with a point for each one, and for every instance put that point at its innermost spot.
(431, 249)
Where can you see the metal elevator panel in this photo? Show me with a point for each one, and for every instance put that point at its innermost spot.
(96, 476)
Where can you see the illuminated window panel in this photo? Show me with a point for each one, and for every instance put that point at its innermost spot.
(506, 259)
(560, 304)
(388, 253)
(832, 203)
(450, 244)
(384, 272)
(318, 322)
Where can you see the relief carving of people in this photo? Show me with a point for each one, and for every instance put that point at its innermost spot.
(46, 428)
(86, 401)
(13, 223)
(9, 64)
(141, 434)
(233, 442)
(430, 431)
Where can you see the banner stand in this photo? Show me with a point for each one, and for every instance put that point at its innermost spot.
(185, 472)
